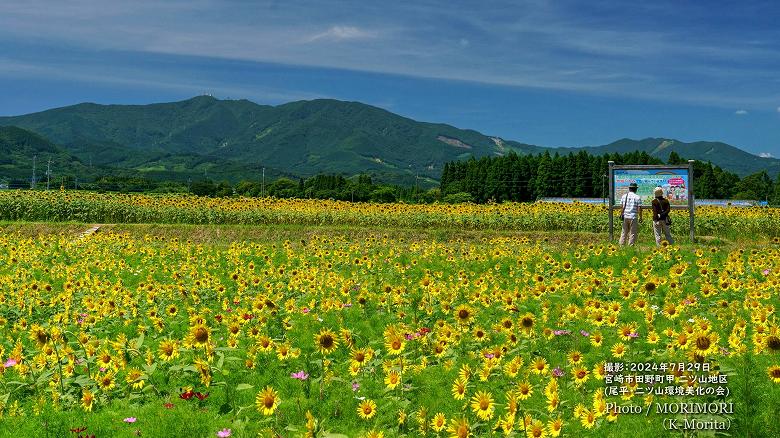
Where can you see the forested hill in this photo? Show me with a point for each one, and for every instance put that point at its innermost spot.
(19, 147)
(234, 139)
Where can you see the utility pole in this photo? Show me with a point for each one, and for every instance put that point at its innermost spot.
(48, 173)
(32, 182)
(263, 191)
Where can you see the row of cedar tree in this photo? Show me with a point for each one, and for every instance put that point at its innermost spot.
(530, 177)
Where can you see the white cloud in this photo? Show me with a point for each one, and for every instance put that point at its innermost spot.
(778, 109)
(765, 155)
(741, 112)
(340, 33)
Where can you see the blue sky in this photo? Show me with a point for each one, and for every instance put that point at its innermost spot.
(554, 73)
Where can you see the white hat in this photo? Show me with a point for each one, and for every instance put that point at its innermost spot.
(658, 191)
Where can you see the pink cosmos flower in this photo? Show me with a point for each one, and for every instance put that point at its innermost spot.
(305, 310)
(355, 386)
(129, 420)
(766, 271)
(9, 363)
(300, 375)
(490, 355)
(557, 372)
(561, 332)
(224, 433)
(584, 333)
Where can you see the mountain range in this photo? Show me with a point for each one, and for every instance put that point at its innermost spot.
(237, 139)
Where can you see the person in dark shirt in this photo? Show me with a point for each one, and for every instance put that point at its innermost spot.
(661, 220)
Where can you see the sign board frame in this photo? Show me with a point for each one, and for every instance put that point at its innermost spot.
(689, 206)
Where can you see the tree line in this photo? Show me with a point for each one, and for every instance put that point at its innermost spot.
(524, 178)
(519, 178)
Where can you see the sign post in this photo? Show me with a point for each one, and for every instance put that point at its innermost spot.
(611, 202)
(675, 180)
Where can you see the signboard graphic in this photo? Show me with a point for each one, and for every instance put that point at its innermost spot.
(674, 181)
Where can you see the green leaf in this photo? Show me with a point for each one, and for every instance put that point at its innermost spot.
(139, 341)
(243, 387)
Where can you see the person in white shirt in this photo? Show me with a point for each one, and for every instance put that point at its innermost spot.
(631, 212)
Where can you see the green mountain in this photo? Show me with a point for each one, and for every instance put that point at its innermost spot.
(235, 139)
(19, 148)
(724, 155)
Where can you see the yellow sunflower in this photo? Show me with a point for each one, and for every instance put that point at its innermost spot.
(326, 341)
(366, 409)
(267, 401)
(483, 405)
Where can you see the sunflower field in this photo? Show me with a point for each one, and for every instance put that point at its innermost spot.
(127, 334)
(92, 207)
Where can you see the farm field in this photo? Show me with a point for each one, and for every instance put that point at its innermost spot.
(368, 325)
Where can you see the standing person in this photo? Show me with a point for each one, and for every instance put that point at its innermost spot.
(631, 213)
(661, 220)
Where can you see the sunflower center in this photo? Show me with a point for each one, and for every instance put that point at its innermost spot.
(527, 322)
(703, 342)
(327, 341)
(201, 334)
(268, 401)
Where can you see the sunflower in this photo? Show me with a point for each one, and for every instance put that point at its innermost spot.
(366, 409)
(171, 310)
(527, 322)
(772, 342)
(39, 335)
(135, 378)
(326, 341)
(267, 401)
(106, 381)
(204, 369)
(588, 419)
(619, 349)
(392, 379)
(580, 376)
(554, 427)
(168, 350)
(774, 373)
(459, 428)
(539, 366)
(361, 356)
(459, 389)
(704, 343)
(463, 314)
(439, 422)
(536, 429)
(87, 400)
(394, 342)
(483, 405)
(524, 390)
(199, 335)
